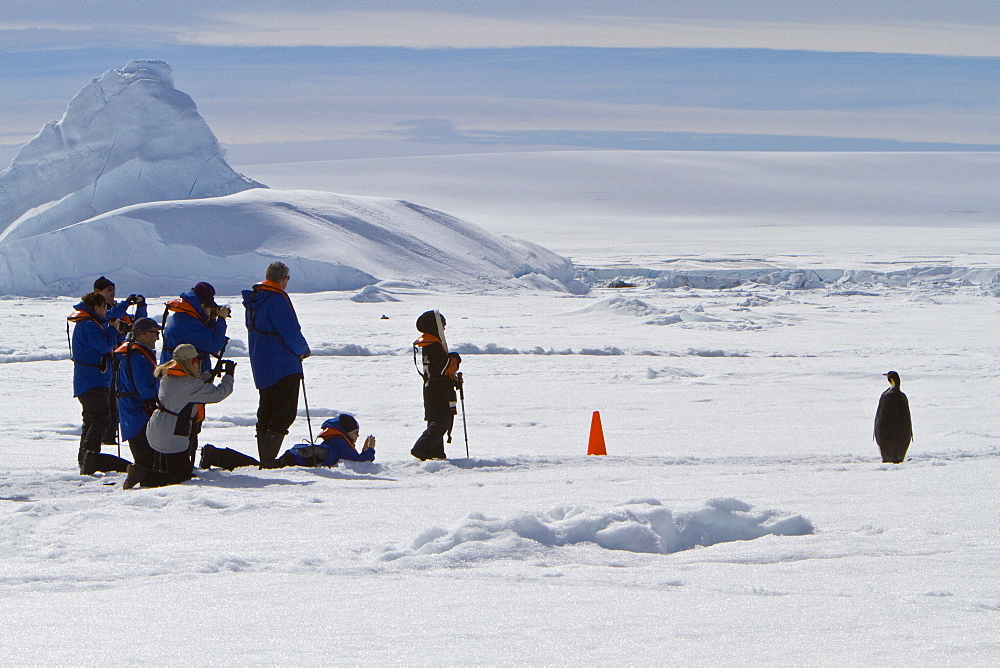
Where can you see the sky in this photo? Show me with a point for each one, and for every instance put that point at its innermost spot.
(304, 80)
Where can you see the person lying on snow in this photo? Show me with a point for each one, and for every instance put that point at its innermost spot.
(338, 438)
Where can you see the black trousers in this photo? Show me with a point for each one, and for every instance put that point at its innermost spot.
(430, 445)
(111, 431)
(439, 412)
(169, 469)
(96, 418)
(142, 453)
(278, 405)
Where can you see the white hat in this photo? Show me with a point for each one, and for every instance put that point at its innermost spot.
(185, 351)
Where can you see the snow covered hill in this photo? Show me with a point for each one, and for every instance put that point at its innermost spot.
(330, 242)
(132, 184)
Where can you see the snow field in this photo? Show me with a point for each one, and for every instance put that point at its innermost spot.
(530, 551)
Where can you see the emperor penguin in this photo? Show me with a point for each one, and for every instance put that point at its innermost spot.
(893, 429)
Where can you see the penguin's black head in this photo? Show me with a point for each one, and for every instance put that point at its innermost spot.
(893, 378)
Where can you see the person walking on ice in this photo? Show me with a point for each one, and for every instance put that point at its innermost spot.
(439, 370)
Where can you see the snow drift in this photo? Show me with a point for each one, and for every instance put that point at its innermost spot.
(131, 183)
(639, 526)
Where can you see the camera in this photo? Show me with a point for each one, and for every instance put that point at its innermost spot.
(138, 300)
(228, 366)
(222, 312)
(124, 328)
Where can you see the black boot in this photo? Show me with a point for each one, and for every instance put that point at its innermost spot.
(209, 456)
(268, 446)
(91, 462)
(281, 462)
(112, 463)
(88, 460)
(224, 458)
(134, 476)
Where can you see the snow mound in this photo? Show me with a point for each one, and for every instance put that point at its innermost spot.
(371, 294)
(328, 241)
(127, 137)
(643, 526)
(619, 304)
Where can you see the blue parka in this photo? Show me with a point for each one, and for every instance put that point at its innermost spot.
(189, 323)
(337, 447)
(136, 386)
(92, 343)
(275, 337)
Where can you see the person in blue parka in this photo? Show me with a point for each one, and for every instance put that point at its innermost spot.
(94, 338)
(137, 387)
(277, 349)
(337, 442)
(118, 311)
(195, 318)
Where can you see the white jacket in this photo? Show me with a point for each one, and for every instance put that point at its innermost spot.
(169, 428)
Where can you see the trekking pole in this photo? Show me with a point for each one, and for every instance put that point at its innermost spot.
(461, 395)
(305, 400)
(114, 378)
(217, 369)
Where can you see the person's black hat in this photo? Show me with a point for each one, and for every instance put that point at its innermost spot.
(102, 283)
(205, 293)
(144, 325)
(347, 423)
(428, 322)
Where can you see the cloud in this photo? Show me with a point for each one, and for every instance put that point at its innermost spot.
(438, 30)
(457, 119)
(953, 27)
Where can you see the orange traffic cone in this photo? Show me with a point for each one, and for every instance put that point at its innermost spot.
(596, 444)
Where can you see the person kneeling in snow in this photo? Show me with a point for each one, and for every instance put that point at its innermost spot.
(338, 438)
(137, 388)
(184, 391)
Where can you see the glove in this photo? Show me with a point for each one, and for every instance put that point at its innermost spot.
(229, 366)
(149, 405)
(451, 367)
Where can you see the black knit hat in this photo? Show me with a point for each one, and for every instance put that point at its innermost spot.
(347, 423)
(101, 284)
(428, 322)
(204, 292)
